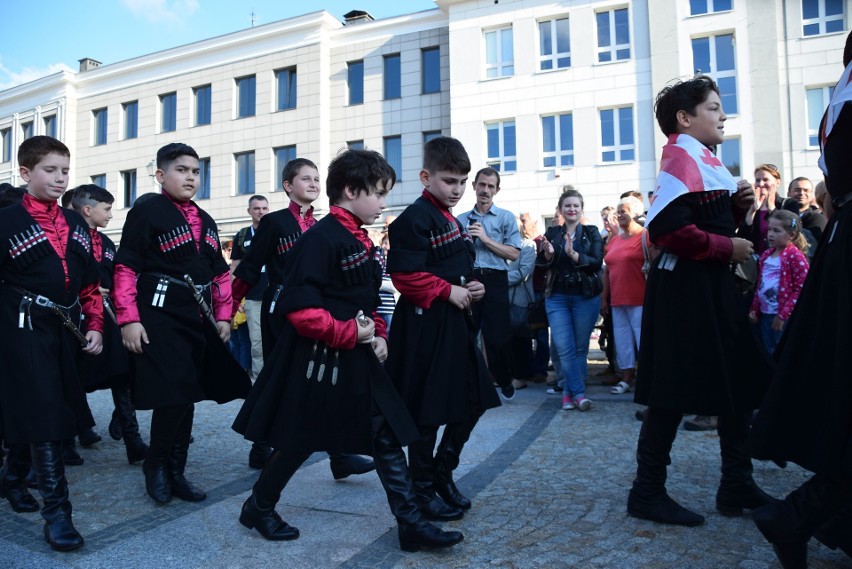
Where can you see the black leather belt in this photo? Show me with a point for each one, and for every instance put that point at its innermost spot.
(488, 271)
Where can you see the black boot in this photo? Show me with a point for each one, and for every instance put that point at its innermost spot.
(128, 427)
(70, 456)
(258, 455)
(114, 428)
(789, 524)
(447, 460)
(422, 468)
(88, 437)
(737, 490)
(837, 532)
(181, 487)
(59, 530)
(165, 423)
(259, 509)
(648, 499)
(343, 465)
(13, 484)
(414, 531)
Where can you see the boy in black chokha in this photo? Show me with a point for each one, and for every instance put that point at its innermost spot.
(324, 388)
(435, 363)
(111, 368)
(171, 284)
(47, 277)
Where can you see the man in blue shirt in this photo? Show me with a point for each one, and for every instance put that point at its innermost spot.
(496, 240)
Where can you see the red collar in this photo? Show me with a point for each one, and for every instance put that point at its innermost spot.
(38, 206)
(183, 206)
(434, 201)
(296, 209)
(352, 224)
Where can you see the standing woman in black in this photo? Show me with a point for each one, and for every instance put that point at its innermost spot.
(818, 438)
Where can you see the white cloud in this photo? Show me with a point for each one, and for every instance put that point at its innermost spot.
(161, 10)
(10, 78)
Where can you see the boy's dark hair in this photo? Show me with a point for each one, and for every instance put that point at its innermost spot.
(487, 171)
(445, 153)
(34, 149)
(65, 200)
(359, 169)
(847, 50)
(681, 96)
(172, 151)
(10, 195)
(631, 193)
(293, 167)
(89, 195)
(257, 197)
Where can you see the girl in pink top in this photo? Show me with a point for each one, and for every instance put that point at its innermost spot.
(783, 268)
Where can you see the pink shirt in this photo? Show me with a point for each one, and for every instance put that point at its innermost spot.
(624, 260)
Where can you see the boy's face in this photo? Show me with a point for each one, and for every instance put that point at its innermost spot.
(305, 187)
(707, 126)
(181, 177)
(48, 179)
(446, 187)
(367, 207)
(99, 214)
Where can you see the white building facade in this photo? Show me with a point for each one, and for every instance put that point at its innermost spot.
(549, 93)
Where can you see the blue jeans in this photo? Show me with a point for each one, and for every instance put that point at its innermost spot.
(768, 336)
(572, 318)
(240, 346)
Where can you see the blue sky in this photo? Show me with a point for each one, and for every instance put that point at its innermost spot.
(43, 37)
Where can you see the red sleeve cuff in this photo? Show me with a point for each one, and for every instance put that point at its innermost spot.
(222, 297)
(124, 295)
(239, 290)
(92, 306)
(317, 324)
(421, 288)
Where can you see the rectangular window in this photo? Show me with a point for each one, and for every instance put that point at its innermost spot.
(99, 117)
(613, 35)
(554, 44)
(50, 126)
(203, 104)
(131, 119)
(502, 147)
(245, 173)
(26, 130)
(430, 134)
(282, 156)
(714, 56)
(355, 77)
(818, 99)
(99, 180)
(393, 154)
(168, 112)
(822, 17)
(617, 135)
(430, 70)
(203, 179)
(355, 144)
(129, 180)
(557, 145)
(246, 87)
(285, 80)
(499, 53)
(392, 77)
(6, 135)
(697, 7)
(729, 154)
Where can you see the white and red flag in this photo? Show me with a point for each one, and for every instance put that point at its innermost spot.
(842, 95)
(687, 166)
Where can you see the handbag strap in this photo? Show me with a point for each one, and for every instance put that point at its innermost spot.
(526, 292)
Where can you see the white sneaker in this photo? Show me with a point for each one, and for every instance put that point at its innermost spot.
(583, 404)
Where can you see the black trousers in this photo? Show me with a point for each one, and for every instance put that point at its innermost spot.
(491, 316)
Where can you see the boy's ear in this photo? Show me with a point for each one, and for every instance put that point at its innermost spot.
(87, 211)
(684, 119)
(424, 178)
(160, 176)
(347, 191)
(25, 173)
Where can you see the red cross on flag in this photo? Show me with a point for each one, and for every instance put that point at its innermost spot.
(687, 166)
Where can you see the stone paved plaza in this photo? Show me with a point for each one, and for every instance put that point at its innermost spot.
(549, 489)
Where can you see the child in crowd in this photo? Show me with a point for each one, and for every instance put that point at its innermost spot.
(699, 355)
(275, 237)
(435, 363)
(171, 285)
(783, 268)
(111, 368)
(323, 388)
(47, 277)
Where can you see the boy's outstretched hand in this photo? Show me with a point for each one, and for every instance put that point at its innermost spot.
(224, 329)
(742, 249)
(460, 297)
(134, 336)
(744, 196)
(96, 342)
(380, 348)
(477, 290)
(366, 328)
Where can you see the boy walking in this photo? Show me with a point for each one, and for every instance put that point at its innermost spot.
(434, 362)
(171, 285)
(47, 277)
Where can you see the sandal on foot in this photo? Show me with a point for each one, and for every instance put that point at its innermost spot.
(620, 388)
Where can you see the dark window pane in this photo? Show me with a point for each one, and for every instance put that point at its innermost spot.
(509, 146)
(282, 156)
(701, 55)
(622, 27)
(834, 8)
(548, 134)
(603, 29)
(204, 179)
(493, 141)
(286, 89)
(810, 9)
(563, 37)
(627, 154)
(625, 125)
(545, 41)
(431, 62)
(728, 88)
(811, 29)
(697, 7)
(725, 53)
(392, 78)
(356, 82)
(834, 26)
(202, 105)
(246, 88)
(566, 132)
(393, 154)
(607, 127)
(722, 5)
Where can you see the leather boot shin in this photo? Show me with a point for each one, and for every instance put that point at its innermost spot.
(59, 531)
(181, 487)
(165, 423)
(13, 484)
(447, 460)
(737, 489)
(422, 468)
(125, 416)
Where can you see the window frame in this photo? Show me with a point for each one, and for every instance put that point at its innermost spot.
(711, 8)
(714, 73)
(720, 154)
(279, 165)
(826, 92)
(246, 91)
(617, 147)
(168, 112)
(203, 192)
(350, 67)
(613, 48)
(6, 141)
(558, 152)
(203, 94)
(100, 125)
(500, 67)
(49, 123)
(501, 159)
(425, 68)
(391, 89)
(822, 20)
(27, 127)
(129, 186)
(290, 95)
(387, 154)
(99, 180)
(249, 175)
(126, 115)
(555, 55)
